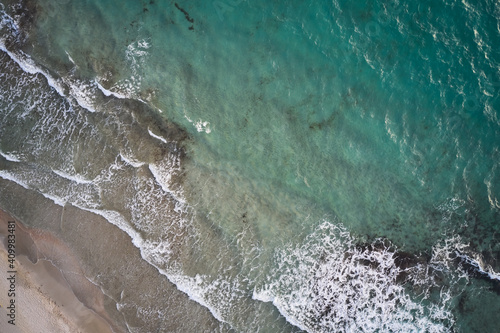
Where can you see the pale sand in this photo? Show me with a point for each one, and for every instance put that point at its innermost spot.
(45, 298)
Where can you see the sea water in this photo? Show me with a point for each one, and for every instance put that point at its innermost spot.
(293, 166)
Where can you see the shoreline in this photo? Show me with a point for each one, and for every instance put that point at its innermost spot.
(132, 292)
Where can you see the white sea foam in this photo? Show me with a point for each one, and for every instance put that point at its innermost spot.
(328, 284)
(156, 136)
(304, 286)
(475, 260)
(23, 60)
(108, 93)
(118, 220)
(9, 176)
(163, 176)
(29, 66)
(201, 126)
(74, 178)
(58, 201)
(158, 252)
(10, 157)
(266, 296)
(83, 93)
(136, 54)
(12, 177)
(70, 59)
(131, 160)
(192, 286)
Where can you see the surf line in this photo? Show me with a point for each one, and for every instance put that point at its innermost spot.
(11, 255)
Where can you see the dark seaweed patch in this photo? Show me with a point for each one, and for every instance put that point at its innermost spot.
(186, 14)
(325, 123)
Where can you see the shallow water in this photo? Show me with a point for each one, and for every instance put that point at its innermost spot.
(254, 151)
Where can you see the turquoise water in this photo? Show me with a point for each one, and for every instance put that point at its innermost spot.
(275, 161)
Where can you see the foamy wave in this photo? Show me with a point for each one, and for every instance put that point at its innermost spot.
(156, 136)
(118, 220)
(136, 55)
(329, 284)
(29, 66)
(477, 262)
(108, 93)
(113, 217)
(10, 157)
(8, 176)
(71, 59)
(445, 253)
(164, 178)
(12, 177)
(75, 178)
(201, 126)
(53, 186)
(194, 289)
(82, 93)
(131, 160)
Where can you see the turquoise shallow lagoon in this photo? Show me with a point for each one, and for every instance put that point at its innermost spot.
(293, 166)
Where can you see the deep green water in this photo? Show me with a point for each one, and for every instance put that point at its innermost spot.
(274, 142)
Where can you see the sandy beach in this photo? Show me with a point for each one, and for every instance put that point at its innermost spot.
(42, 290)
(83, 274)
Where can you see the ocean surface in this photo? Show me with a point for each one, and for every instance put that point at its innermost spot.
(293, 166)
